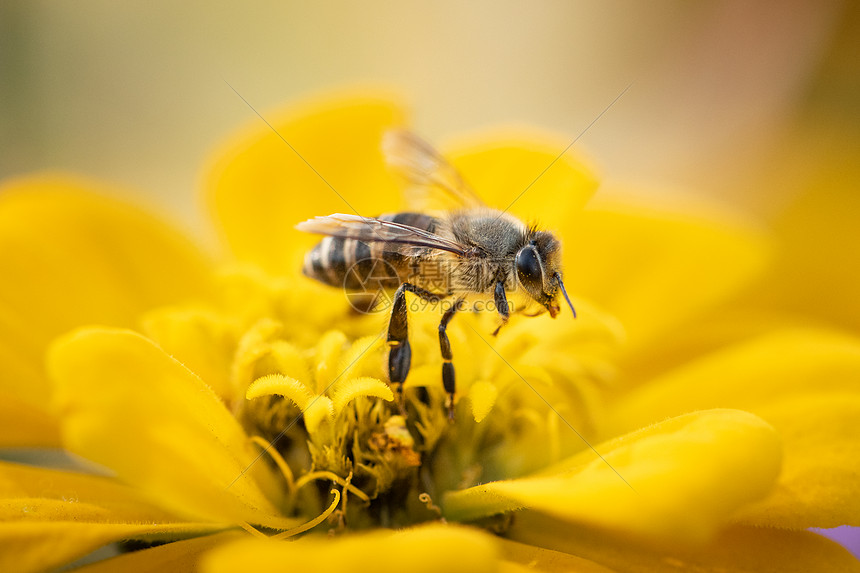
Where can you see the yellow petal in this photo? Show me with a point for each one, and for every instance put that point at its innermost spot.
(679, 480)
(25, 426)
(745, 376)
(48, 517)
(430, 548)
(353, 388)
(36, 546)
(182, 555)
(72, 257)
(128, 406)
(733, 550)
(482, 395)
(818, 484)
(654, 269)
(259, 187)
(779, 376)
(526, 171)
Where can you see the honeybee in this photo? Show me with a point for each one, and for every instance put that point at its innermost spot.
(482, 254)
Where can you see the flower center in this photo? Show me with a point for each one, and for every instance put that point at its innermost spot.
(317, 401)
(341, 425)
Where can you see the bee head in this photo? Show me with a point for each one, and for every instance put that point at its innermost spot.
(538, 269)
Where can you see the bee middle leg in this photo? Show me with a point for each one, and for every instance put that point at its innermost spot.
(448, 379)
(400, 354)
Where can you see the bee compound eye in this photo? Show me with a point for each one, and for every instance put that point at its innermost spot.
(528, 267)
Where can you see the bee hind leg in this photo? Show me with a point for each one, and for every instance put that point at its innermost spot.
(400, 354)
(448, 378)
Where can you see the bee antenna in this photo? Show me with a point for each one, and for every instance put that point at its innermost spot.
(564, 292)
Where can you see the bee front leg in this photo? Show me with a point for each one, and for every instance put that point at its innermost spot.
(400, 355)
(501, 301)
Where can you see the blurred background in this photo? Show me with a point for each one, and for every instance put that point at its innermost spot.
(754, 105)
(135, 93)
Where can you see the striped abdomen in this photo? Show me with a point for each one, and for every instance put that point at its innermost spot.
(353, 264)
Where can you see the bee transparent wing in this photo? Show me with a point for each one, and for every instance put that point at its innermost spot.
(372, 230)
(435, 183)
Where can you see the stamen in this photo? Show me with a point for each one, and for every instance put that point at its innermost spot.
(269, 448)
(345, 491)
(428, 502)
(338, 517)
(564, 292)
(312, 523)
(308, 477)
(252, 530)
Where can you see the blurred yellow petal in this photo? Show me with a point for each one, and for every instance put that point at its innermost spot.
(818, 486)
(534, 558)
(654, 270)
(25, 426)
(129, 406)
(50, 517)
(428, 548)
(42, 485)
(71, 257)
(815, 273)
(290, 360)
(39, 546)
(358, 360)
(733, 550)
(329, 351)
(682, 479)
(199, 339)
(40, 509)
(718, 329)
(745, 376)
(21, 361)
(182, 555)
(319, 411)
(482, 395)
(259, 187)
(524, 170)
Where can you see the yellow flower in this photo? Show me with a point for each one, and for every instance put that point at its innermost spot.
(243, 400)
